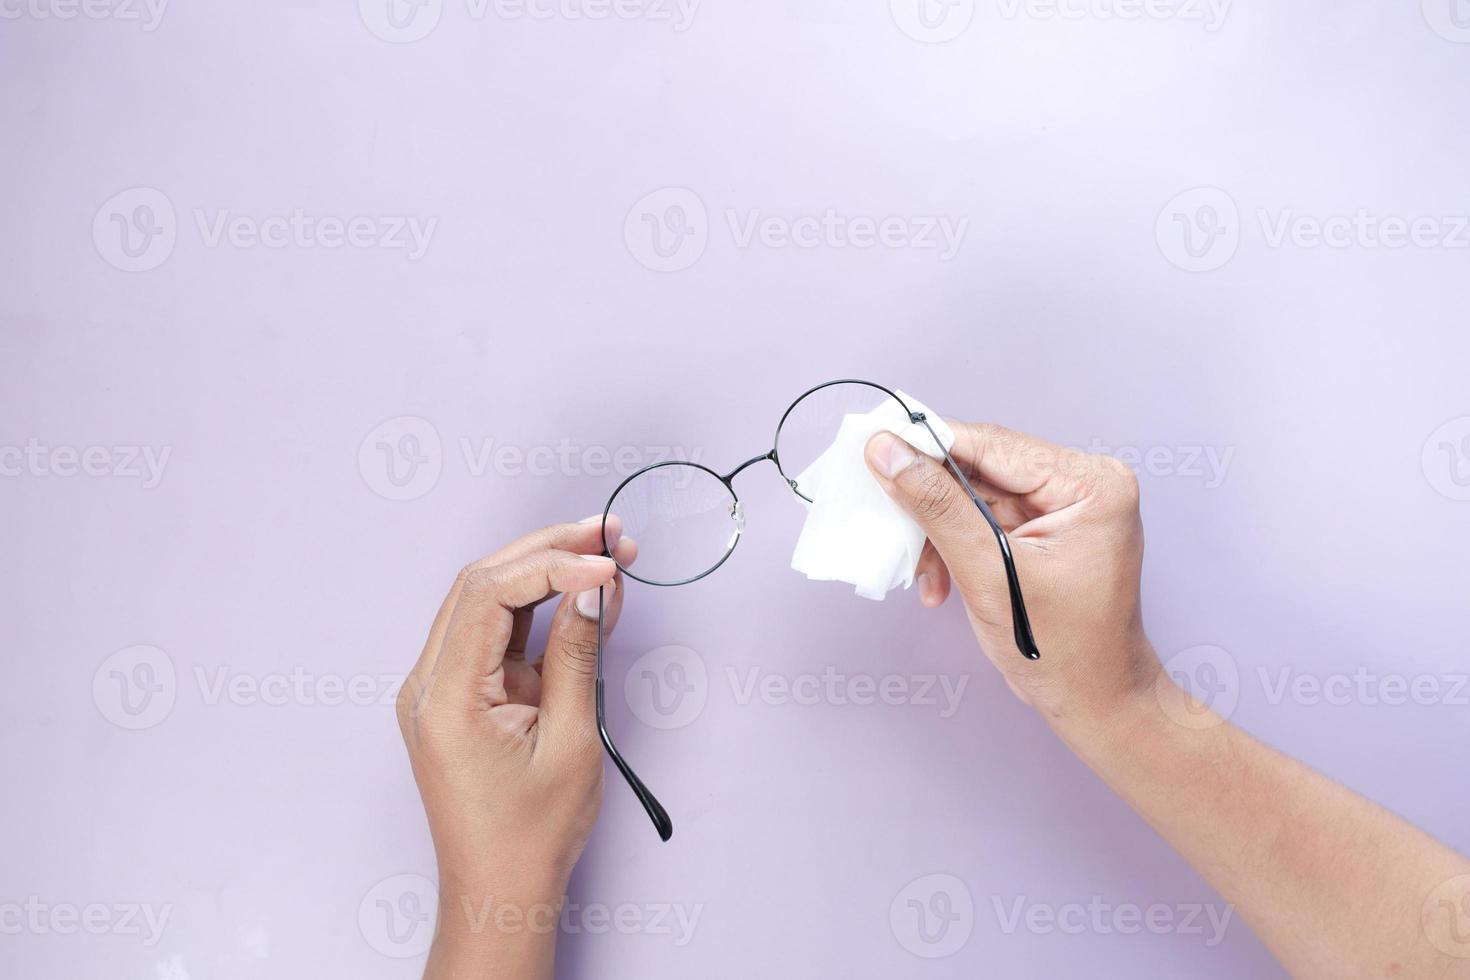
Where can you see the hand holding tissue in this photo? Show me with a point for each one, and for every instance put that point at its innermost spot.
(853, 532)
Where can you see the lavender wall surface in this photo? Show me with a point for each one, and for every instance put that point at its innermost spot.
(306, 305)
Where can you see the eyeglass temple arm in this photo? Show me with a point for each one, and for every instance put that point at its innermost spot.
(1020, 622)
(656, 812)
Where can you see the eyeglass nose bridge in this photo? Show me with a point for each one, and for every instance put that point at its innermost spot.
(729, 478)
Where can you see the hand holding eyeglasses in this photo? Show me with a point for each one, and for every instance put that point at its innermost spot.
(1075, 534)
(505, 749)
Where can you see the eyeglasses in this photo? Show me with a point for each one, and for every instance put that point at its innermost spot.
(687, 520)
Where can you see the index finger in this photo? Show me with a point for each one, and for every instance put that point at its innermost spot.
(1048, 476)
(471, 664)
(582, 537)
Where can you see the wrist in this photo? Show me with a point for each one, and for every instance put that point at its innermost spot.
(1151, 729)
(460, 953)
(501, 926)
(503, 902)
(1115, 709)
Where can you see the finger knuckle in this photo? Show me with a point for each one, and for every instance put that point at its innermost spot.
(481, 579)
(1122, 483)
(580, 653)
(987, 432)
(471, 573)
(1071, 464)
(403, 710)
(411, 703)
(933, 496)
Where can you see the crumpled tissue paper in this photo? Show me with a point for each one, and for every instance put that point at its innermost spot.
(853, 532)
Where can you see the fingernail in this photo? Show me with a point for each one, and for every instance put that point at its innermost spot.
(926, 586)
(604, 558)
(587, 601)
(889, 454)
(594, 519)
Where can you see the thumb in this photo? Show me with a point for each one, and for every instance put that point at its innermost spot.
(569, 667)
(930, 494)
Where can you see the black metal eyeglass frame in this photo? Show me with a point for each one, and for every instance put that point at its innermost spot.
(1020, 622)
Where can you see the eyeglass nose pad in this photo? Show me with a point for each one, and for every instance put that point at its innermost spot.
(737, 514)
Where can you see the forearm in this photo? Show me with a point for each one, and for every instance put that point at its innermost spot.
(1335, 885)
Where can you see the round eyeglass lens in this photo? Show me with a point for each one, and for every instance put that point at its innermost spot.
(826, 423)
(683, 519)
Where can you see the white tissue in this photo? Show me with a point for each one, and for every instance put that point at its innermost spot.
(853, 532)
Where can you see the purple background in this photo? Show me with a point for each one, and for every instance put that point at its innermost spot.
(1334, 543)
